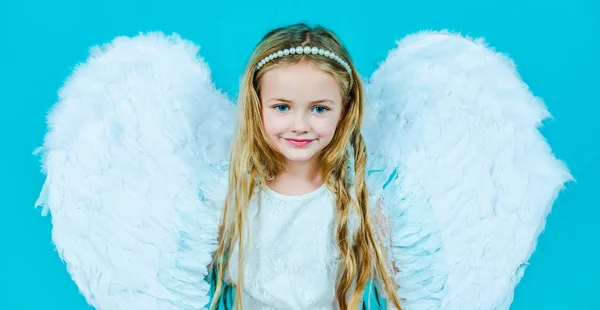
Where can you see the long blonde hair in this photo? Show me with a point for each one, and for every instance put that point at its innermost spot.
(253, 161)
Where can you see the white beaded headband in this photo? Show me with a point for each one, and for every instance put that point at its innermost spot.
(307, 50)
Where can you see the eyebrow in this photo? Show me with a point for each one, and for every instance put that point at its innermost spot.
(289, 101)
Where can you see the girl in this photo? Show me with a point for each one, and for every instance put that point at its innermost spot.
(297, 211)
(136, 192)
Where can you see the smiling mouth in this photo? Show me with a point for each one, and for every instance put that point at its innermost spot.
(299, 142)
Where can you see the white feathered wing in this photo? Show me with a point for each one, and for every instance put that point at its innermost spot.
(135, 160)
(465, 175)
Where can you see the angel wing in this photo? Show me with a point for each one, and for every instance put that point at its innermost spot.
(465, 175)
(135, 163)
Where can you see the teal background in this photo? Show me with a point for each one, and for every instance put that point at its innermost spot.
(555, 44)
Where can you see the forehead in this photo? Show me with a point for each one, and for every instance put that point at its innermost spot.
(299, 82)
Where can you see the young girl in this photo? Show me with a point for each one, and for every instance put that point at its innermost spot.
(137, 185)
(297, 213)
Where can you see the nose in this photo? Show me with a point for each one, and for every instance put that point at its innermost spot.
(300, 124)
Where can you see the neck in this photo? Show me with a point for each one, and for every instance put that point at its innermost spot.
(298, 178)
(306, 170)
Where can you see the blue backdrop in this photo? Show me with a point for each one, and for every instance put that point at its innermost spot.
(555, 44)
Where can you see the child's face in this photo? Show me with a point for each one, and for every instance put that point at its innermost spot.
(295, 123)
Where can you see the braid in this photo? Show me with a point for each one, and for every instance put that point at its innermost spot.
(344, 242)
(363, 244)
(366, 243)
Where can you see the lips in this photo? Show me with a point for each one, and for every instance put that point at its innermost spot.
(300, 142)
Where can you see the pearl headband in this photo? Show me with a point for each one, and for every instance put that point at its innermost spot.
(307, 50)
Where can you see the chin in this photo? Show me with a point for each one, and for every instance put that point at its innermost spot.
(298, 155)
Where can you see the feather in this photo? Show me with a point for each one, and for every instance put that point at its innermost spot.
(135, 163)
(462, 166)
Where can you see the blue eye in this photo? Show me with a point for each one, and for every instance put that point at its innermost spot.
(281, 108)
(320, 109)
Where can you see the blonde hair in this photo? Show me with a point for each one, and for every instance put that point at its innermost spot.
(253, 161)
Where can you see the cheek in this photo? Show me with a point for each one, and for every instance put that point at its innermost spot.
(271, 124)
(326, 128)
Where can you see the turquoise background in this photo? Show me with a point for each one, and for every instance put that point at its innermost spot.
(555, 44)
